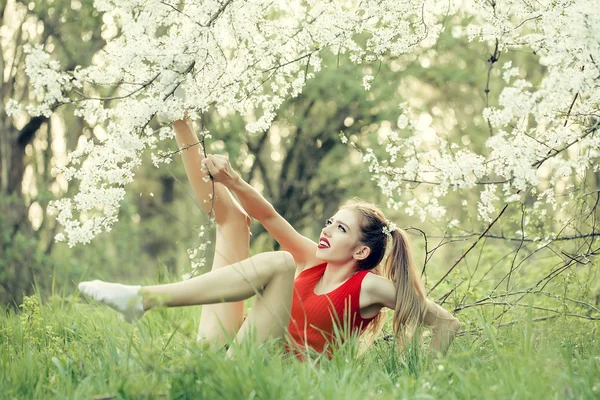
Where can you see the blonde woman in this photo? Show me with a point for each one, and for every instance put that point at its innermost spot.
(307, 291)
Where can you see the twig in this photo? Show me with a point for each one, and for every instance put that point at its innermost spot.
(142, 87)
(572, 104)
(478, 330)
(515, 239)
(531, 291)
(494, 57)
(512, 266)
(505, 303)
(470, 248)
(174, 88)
(180, 12)
(216, 15)
(212, 180)
(426, 250)
(292, 61)
(526, 20)
(306, 69)
(180, 150)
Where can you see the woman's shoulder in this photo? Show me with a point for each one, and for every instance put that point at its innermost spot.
(374, 282)
(376, 289)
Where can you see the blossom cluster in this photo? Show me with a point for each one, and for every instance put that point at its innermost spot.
(543, 137)
(249, 56)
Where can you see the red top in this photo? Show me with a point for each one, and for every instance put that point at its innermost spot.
(315, 319)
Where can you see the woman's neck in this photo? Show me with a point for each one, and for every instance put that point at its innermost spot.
(337, 273)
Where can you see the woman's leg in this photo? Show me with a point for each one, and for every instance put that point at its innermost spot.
(218, 321)
(269, 275)
(270, 314)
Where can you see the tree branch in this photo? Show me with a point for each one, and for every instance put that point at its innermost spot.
(551, 154)
(515, 239)
(469, 249)
(494, 57)
(26, 135)
(216, 15)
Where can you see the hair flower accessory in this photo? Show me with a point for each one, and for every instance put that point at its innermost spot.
(389, 228)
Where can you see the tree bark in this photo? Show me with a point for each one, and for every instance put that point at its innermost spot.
(17, 154)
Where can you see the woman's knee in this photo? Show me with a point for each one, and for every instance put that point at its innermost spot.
(276, 262)
(285, 262)
(235, 228)
(235, 219)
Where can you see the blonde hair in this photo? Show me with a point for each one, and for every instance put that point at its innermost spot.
(398, 266)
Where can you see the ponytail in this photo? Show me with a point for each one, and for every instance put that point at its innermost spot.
(410, 292)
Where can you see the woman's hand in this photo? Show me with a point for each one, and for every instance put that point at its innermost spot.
(220, 169)
(444, 327)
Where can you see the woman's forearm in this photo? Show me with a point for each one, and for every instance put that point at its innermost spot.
(184, 132)
(252, 201)
(443, 335)
(444, 326)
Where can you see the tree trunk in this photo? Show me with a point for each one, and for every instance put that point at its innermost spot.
(18, 240)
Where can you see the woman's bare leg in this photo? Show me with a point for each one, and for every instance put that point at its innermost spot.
(268, 275)
(235, 282)
(221, 321)
(270, 315)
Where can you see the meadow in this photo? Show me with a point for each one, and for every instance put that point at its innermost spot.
(63, 347)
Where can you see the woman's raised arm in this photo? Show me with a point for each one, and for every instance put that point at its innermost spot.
(302, 248)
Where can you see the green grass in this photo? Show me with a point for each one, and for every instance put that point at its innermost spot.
(65, 348)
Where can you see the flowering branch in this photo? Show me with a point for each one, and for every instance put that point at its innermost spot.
(263, 53)
(494, 57)
(554, 153)
(216, 15)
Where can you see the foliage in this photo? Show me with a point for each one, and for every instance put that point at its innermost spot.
(62, 347)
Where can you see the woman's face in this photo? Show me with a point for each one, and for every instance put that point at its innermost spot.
(339, 241)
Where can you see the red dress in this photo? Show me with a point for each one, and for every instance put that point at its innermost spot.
(315, 319)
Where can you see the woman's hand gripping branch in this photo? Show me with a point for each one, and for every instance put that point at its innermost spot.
(219, 167)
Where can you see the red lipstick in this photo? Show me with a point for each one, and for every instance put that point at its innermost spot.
(323, 243)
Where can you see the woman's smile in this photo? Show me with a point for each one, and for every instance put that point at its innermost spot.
(324, 243)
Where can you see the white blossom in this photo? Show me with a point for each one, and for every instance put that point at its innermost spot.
(12, 107)
(367, 80)
(250, 56)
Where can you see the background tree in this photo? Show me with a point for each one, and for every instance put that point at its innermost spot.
(71, 30)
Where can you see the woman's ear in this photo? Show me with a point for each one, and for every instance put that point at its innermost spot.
(362, 252)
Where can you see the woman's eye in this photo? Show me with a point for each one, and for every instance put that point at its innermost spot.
(341, 228)
(328, 222)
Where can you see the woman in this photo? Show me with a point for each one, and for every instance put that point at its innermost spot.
(306, 292)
